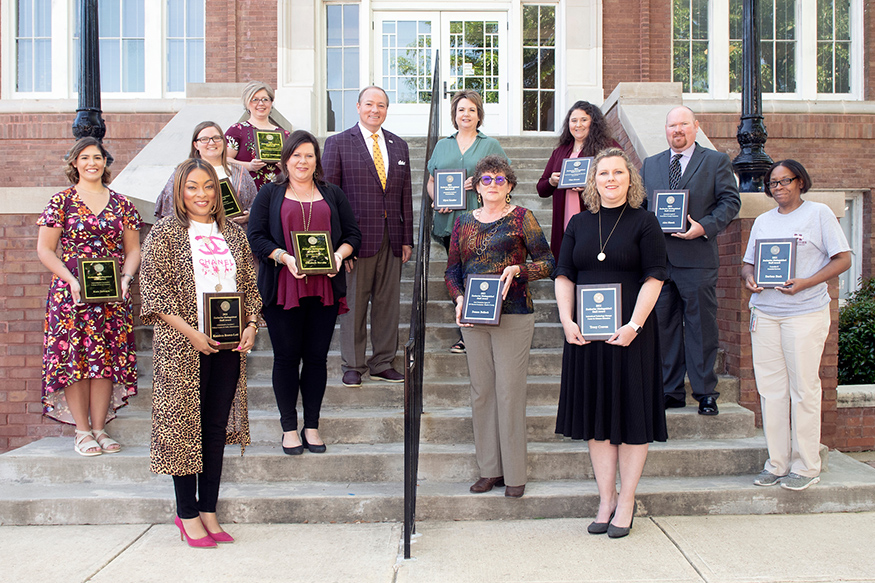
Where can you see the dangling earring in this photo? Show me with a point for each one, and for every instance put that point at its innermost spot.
(507, 198)
(479, 199)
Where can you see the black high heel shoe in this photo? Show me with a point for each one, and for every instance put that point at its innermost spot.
(313, 448)
(297, 450)
(600, 527)
(619, 531)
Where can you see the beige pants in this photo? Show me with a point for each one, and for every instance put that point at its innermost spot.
(498, 362)
(786, 363)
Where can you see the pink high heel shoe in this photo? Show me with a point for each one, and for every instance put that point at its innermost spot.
(207, 542)
(221, 537)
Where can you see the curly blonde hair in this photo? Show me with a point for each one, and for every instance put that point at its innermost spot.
(634, 196)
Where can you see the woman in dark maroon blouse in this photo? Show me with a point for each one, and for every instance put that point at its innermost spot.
(300, 310)
(585, 133)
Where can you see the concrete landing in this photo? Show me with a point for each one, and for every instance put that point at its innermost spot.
(665, 549)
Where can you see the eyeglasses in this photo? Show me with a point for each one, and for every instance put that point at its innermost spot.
(487, 180)
(213, 139)
(257, 100)
(783, 182)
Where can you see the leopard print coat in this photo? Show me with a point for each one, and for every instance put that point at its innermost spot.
(167, 287)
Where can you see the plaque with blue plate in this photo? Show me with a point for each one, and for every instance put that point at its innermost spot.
(670, 208)
(775, 262)
(599, 310)
(449, 190)
(574, 172)
(482, 303)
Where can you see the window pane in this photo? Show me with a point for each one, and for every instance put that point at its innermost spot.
(699, 19)
(334, 21)
(133, 18)
(735, 66)
(350, 115)
(42, 18)
(134, 65)
(25, 65)
(530, 110)
(351, 25)
(42, 74)
(194, 18)
(547, 112)
(334, 64)
(785, 67)
(548, 26)
(843, 19)
(175, 65)
(530, 68)
(767, 19)
(785, 19)
(699, 67)
(25, 18)
(735, 15)
(681, 19)
(767, 71)
(351, 68)
(195, 70)
(109, 18)
(681, 68)
(842, 68)
(175, 18)
(548, 69)
(824, 20)
(110, 65)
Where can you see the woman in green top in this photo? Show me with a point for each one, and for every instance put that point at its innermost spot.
(464, 149)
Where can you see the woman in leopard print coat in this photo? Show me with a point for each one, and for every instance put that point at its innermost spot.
(184, 255)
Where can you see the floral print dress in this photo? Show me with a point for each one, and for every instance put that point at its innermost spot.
(241, 137)
(88, 341)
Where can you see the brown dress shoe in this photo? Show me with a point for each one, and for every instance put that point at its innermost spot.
(352, 378)
(486, 484)
(515, 491)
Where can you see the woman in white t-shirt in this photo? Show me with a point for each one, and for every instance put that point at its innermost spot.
(789, 325)
(198, 390)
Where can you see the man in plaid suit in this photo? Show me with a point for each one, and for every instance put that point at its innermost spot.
(372, 166)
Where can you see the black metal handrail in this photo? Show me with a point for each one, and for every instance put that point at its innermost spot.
(414, 349)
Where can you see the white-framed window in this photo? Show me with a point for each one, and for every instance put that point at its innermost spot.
(342, 44)
(852, 227)
(148, 48)
(539, 67)
(809, 49)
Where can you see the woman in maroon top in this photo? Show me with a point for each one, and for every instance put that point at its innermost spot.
(585, 133)
(300, 310)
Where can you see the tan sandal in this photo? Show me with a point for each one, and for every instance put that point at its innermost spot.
(84, 444)
(107, 444)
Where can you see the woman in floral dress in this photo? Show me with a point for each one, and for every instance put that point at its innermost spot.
(258, 101)
(89, 358)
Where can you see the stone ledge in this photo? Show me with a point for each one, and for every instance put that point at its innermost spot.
(849, 396)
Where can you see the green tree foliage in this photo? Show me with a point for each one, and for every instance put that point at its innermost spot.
(857, 337)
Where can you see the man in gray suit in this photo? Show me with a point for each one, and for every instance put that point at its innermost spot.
(687, 305)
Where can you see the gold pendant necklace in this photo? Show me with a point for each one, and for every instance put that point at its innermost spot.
(601, 256)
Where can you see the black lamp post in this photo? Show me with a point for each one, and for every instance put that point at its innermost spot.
(89, 121)
(752, 162)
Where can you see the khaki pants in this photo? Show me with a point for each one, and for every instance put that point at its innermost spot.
(786, 363)
(498, 362)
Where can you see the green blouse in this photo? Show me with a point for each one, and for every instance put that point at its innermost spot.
(446, 155)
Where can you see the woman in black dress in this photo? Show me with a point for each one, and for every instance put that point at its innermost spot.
(611, 391)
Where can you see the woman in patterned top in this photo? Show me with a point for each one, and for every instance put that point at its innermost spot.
(89, 359)
(497, 239)
(258, 101)
(198, 391)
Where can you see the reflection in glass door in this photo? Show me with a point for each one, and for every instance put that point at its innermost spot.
(472, 57)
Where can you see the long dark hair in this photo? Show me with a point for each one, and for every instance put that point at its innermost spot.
(291, 144)
(599, 136)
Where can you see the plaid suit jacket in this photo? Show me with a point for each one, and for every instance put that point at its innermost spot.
(348, 164)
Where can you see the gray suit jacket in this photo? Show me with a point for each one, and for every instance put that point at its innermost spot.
(714, 202)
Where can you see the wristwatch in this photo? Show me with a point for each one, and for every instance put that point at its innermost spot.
(634, 326)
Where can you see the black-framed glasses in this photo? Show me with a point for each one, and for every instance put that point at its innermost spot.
(782, 182)
(487, 180)
(213, 139)
(257, 100)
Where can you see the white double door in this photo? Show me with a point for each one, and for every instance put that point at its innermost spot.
(473, 55)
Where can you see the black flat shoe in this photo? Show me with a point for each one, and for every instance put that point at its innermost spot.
(599, 527)
(297, 450)
(619, 531)
(673, 403)
(310, 446)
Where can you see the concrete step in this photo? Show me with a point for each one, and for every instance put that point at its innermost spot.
(368, 425)
(52, 460)
(847, 486)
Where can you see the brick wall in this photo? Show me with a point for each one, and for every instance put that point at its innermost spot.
(636, 41)
(24, 286)
(856, 429)
(34, 145)
(242, 41)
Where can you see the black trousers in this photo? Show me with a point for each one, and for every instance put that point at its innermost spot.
(300, 335)
(197, 493)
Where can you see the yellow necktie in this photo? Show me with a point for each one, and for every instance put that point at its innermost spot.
(378, 160)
